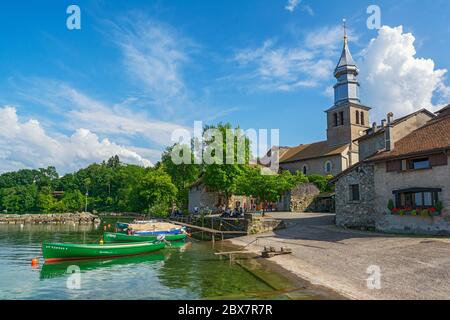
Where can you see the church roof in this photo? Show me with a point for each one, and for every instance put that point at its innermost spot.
(346, 57)
(311, 151)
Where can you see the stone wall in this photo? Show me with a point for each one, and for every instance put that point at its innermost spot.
(414, 225)
(302, 197)
(360, 213)
(200, 197)
(262, 225)
(80, 218)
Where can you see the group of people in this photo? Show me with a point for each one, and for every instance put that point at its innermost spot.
(237, 212)
(176, 212)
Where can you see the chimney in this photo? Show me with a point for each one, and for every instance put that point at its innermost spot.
(374, 127)
(389, 133)
(390, 117)
(383, 123)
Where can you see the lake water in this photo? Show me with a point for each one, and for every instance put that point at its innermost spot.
(185, 271)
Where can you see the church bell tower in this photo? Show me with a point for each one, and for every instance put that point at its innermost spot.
(347, 118)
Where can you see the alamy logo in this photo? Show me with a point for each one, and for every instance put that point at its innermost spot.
(74, 280)
(374, 20)
(226, 147)
(374, 280)
(73, 21)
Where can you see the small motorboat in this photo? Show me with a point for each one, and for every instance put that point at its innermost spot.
(55, 252)
(109, 237)
(155, 229)
(122, 225)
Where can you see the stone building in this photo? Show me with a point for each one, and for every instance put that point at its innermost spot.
(203, 198)
(411, 172)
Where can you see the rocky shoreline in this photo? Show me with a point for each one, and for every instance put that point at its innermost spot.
(60, 218)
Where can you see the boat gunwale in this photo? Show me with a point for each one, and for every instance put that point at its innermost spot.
(103, 246)
(57, 260)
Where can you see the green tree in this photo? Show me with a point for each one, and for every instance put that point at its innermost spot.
(322, 182)
(183, 175)
(267, 187)
(221, 175)
(156, 189)
(72, 201)
(45, 200)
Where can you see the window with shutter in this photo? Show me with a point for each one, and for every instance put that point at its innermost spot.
(440, 159)
(395, 165)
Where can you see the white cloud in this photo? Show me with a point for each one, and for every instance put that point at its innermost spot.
(329, 38)
(281, 68)
(155, 55)
(394, 79)
(81, 110)
(25, 144)
(300, 64)
(308, 10)
(292, 4)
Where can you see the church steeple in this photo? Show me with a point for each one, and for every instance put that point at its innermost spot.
(347, 87)
(347, 118)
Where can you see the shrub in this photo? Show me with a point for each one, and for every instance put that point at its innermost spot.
(414, 213)
(424, 213)
(390, 205)
(439, 207)
(401, 213)
(159, 210)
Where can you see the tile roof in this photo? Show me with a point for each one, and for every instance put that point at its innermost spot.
(394, 123)
(311, 151)
(433, 136)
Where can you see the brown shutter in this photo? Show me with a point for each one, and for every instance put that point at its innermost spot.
(395, 165)
(440, 159)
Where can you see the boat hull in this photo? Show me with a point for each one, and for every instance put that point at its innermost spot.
(55, 252)
(121, 238)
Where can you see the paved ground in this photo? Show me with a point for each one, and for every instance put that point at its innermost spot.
(411, 267)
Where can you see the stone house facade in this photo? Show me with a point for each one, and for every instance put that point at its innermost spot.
(202, 198)
(412, 172)
(300, 199)
(355, 197)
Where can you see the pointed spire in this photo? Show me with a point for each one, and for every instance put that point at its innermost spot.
(345, 29)
(346, 57)
(346, 72)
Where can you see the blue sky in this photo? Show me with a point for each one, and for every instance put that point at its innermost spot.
(139, 69)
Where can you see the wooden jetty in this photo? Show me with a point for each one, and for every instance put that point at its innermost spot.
(213, 232)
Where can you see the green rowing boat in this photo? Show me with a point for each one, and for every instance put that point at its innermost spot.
(109, 237)
(54, 252)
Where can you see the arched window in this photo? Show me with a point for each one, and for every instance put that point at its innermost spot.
(341, 118)
(335, 119)
(357, 117)
(328, 167)
(305, 170)
(363, 121)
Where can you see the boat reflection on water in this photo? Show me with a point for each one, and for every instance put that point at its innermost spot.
(54, 270)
